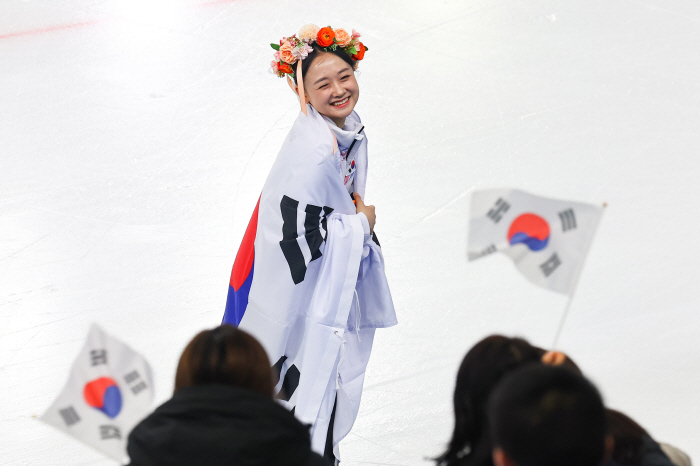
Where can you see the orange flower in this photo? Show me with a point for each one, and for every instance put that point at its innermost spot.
(286, 53)
(285, 68)
(325, 37)
(360, 52)
(342, 38)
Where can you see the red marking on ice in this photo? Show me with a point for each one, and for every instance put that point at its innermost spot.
(60, 27)
(63, 27)
(246, 253)
(216, 2)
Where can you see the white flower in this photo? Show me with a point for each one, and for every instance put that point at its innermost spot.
(308, 32)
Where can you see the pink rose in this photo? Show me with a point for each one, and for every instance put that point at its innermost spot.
(302, 50)
(286, 53)
(277, 56)
(342, 38)
(355, 34)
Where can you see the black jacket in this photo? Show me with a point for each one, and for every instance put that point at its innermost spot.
(212, 425)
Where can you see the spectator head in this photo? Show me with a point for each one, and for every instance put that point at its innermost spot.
(481, 369)
(547, 416)
(628, 436)
(225, 355)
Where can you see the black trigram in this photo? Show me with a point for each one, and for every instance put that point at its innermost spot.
(550, 265)
(139, 387)
(98, 357)
(497, 211)
(375, 239)
(315, 229)
(291, 379)
(568, 220)
(131, 376)
(69, 415)
(489, 250)
(108, 432)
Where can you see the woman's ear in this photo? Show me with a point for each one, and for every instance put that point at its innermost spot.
(295, 89)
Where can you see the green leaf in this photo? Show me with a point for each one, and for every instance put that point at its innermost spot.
(366, 48)
(275, 46)
(352, 50)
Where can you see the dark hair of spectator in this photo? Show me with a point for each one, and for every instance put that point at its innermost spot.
(481, 369)
(306, 62)
(628, 436)
(548, 416)
(225, 355)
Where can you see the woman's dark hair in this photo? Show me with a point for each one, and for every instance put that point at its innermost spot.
(628, 436)
(225, 355)
(306, 62)
(481, 369)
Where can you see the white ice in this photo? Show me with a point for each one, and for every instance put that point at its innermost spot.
(136, 136)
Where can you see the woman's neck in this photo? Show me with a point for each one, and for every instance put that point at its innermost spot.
(339, 122)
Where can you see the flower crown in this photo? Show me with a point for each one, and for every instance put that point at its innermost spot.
(292, 49)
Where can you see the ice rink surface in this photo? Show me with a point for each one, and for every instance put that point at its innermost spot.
(136, 136)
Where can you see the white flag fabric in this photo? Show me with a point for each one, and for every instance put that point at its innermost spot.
(109, 390)
(547, 239)
(308, 281)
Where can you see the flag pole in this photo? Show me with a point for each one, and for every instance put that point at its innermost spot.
(562, 321)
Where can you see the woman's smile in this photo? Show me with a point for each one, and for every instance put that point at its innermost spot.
(341, 103)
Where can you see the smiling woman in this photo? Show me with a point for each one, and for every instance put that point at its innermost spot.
(330, 85)
(308, 280)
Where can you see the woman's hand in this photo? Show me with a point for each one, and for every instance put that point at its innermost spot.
(368, 210)
(553, 358)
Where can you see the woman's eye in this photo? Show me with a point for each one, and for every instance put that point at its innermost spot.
(345, 77)
(324, 86)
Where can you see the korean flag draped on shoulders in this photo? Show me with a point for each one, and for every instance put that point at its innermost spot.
(548, 239)
(109, 390)
(308, 280)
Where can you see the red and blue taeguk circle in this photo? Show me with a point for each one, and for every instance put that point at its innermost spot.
(530, 230)
(103, 394)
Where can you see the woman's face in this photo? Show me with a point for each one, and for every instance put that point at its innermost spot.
(331, 87)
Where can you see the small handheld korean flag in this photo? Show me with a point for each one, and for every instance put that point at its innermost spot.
(109, 390)
(548, 239)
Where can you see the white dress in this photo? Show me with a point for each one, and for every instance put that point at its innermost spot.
(318, 289)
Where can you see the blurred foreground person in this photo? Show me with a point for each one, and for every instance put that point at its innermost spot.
(481, 370)
(222, 411)
(634, 446)
(548, 416)
(486, 364)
